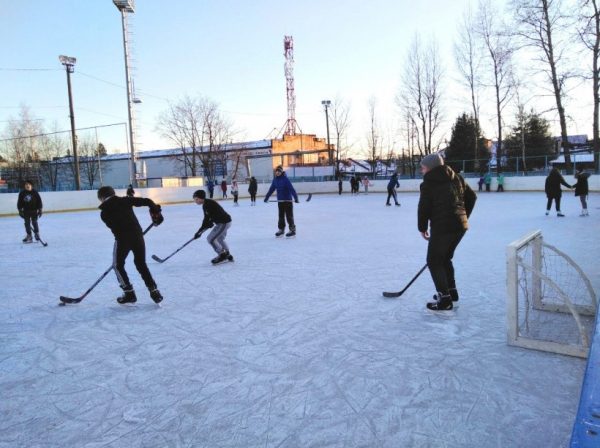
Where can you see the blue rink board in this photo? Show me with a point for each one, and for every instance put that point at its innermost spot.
(586, 429)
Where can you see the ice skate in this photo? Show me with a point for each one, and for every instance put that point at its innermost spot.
(28, 239)
(127, 297)
(37, 236)
(156, 296)
(290, 234)
(560, 214)
(453, 294)
(547, 212)
(442, 303)
(279, 233)
(223, 256)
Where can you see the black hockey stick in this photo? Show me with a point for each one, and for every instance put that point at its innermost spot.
(399, 293)
(42, 242)
(64, 300)
(308, 198)
(162, 260)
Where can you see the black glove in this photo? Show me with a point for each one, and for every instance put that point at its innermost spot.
(296, 201)
(22, 213)
(198, 234)
(156, 215)
(39, 213)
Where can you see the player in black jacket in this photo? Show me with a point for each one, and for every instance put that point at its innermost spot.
(214, 215)
(117, 213)
(445, 204)
(30, 207)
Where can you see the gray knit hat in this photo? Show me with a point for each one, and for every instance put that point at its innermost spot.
(432, 160)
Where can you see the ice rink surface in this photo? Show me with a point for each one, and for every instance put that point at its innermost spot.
(290, 346)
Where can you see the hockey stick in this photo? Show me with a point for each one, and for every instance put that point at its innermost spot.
(399, 293)
(42, 242)
(162, 260)
(308, 198)
(64, 300)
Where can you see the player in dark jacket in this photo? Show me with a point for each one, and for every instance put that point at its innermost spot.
(214, 216)
(30, 207)
(130, 191)
(285, 193)
(253, 189)
(553, 191)
(445, 204)
(391, 189)
(582, 190)
(117, 213)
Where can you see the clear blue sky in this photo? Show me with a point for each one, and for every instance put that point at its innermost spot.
(230, 51)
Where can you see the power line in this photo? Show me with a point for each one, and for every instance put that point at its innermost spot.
(6, 69)
(62, 132)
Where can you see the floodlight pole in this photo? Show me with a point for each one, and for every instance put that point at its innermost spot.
(326, 104)
(69, 64)
(125, 7)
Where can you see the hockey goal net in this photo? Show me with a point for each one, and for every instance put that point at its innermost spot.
(551, 302)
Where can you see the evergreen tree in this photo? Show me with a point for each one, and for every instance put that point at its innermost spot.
(467, 144)
(530, 141)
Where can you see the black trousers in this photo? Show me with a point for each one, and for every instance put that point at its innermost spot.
(392, 194)
(556, 203)
(252, 197)
(135, 244)
(440, 252)
(286, 211)
(31, 219)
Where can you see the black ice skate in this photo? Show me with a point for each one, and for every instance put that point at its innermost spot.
(453, 294)
(290, 234)
(156, 296)
(279, 233)
(223, 256)
(127, 297)
(442, 303)
(28, 239)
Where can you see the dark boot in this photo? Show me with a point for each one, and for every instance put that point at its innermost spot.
(220, 258)
(442, 302)
(291, 233)
(28, 239)
(279, 232)
(127, 297)
(156, 295)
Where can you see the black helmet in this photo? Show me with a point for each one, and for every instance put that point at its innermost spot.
(201, 194)
(105, 192)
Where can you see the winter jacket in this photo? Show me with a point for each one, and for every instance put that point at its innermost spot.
(553, 182)
(224, 186)
(117, 213)
(253, 187)
(29, 201)
(393, 183)
(285, 189)
(234, 187)
(581, 187)
(213, 214)
(446, 201)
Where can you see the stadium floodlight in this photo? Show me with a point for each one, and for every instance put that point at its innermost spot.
(69, 63)
(125, 5)
(67, 60)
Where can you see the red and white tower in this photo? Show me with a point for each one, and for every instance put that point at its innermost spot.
(288, 51)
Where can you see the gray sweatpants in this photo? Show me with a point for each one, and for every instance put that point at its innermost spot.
(216, 237)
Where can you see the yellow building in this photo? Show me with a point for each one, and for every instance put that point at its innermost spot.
(302, 150)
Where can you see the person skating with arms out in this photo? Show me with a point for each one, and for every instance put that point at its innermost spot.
(30, 207)
(117, 213)
(285, 193)
(214, 216)
(445, 203)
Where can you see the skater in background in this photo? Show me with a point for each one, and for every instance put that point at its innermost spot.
(553, 191)
(224, 188)
(214, 216)
(117, 213)
(356, 184)
(351, 180)
(285, 193)
(130, 191)
(235, 192)
(500, 181)
(480, 183)
(211, 188)
(340, 185)
(30, 207)
(366, 183)
(582, 190)
(488, 181)
(391, 189)
(252, 189)
(445, 203)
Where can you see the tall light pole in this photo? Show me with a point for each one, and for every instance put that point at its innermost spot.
(326, 104)
(69, 64)
(125, 7)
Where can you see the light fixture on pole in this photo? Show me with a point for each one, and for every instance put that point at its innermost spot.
(69, 64)
(326, 104)
(125, 7)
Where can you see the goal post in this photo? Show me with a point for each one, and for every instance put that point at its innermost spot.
(551, 302)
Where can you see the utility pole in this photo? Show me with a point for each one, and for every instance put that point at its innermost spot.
(326, 104)
(69, 64)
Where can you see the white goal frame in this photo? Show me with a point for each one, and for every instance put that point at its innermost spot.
(513, 261)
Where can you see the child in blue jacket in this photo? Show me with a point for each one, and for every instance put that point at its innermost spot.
(285, 193)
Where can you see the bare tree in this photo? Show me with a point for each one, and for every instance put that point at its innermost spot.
(373, 137)
(467, 54)
(538, 24)
(340, 118)
(89, 162)
(589, 33)
(500, 51)
(420, 93)
(52, 148)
